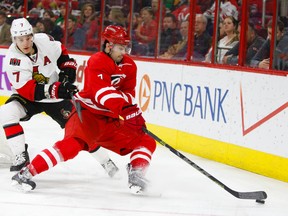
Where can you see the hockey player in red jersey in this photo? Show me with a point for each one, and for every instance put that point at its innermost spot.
(32, 63)
(110, 118)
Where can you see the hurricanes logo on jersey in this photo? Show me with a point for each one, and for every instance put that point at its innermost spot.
(40, 78)
(116, 79)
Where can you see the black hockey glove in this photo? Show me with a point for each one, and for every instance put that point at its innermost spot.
(68, 71)
(62, 90)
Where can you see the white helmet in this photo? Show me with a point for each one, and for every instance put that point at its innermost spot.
(21, 27)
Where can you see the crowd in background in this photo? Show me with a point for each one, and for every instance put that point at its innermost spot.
(165, 36)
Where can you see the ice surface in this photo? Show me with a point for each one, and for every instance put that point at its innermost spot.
(80, 187)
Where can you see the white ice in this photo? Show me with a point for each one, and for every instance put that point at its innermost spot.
(80, 187)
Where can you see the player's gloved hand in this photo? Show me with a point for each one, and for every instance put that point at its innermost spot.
(68, 71)
(133, 118)
(62, 90)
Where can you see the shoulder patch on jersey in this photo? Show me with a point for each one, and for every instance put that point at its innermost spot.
(15, 61)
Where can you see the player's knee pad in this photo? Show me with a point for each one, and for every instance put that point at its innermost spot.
(11, 113)
(148, 143)
(28, 106)
(69, 148)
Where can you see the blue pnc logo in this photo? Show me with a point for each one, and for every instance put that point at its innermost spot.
(194, 101)
(183, 99)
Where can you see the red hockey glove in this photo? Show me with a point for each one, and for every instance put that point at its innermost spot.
(133, 118)
(68, 71)
(62, 90)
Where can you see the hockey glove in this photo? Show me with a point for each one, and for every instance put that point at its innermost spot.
(133, 118)
(62, 90)
(68, 71)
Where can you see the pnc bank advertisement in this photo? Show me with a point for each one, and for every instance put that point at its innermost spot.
(224, 105)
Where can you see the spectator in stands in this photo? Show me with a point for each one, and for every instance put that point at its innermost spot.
(262, 57)
(12, 6)
(49, 14)
(227, 42)
(178, 50)
(96, 4)
(139, 4)
(115, 17)
(145, 34)
(181, 10)
(136, 21)
(256, 12)
(169, 4)
(87, 15)
(49, 27)
(37, 11)
(154, 6)
(202, 40)
(89, 26)
(39, 7)
(254, 42)
(227, 8)
(61, 18)
(71, 29)
(204, 5)
(170, 34)
(5, 36)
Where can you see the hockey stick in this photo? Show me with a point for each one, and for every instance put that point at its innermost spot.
(77, 106)
(255, 195)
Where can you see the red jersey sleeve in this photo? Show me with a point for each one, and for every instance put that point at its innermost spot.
(148, 30)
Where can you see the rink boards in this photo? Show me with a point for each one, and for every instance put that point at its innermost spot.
(237, 118)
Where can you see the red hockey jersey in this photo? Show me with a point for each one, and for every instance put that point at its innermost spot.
(108, 86)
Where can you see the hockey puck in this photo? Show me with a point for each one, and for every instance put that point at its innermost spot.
(260, 201)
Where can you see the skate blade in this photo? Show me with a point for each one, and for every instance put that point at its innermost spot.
(136, 190)
(117, 175)
(21, 187)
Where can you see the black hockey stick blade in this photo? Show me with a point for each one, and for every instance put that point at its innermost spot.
(255, 195)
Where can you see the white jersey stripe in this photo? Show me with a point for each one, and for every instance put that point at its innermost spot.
(98, 93)
(140, 156)
(109, 96)
(55, 154)
(145, 150)
(131, 98)
(125, 96)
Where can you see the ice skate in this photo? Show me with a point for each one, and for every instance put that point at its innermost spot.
(110, 168)
(22, 180)
(136, 181)
(20, 160)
